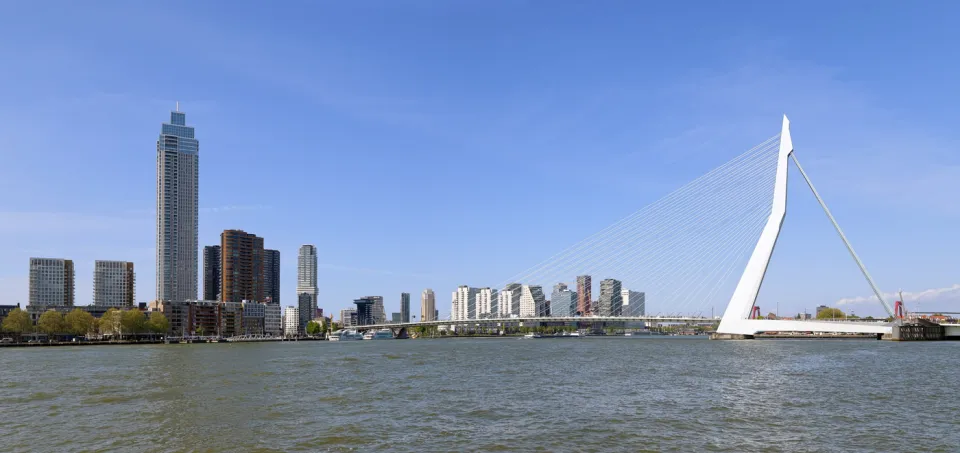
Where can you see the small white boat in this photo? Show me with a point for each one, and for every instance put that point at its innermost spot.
(575, 334)
(531, 336)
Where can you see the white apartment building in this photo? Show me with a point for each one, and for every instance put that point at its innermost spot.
(508, 301)
(532, 301)
(487, 302)
(113, 284)
(51, 282)
(291, 321)
(306, 284)
(464, 303)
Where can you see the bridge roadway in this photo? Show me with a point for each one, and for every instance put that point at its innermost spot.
(583, 319)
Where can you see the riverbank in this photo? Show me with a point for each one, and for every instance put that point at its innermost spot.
(142, 342)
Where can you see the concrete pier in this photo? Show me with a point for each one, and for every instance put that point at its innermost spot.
(730, 336)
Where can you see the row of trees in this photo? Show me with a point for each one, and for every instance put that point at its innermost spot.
(80, 322)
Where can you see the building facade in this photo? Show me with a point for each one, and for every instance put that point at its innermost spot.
(464, 303)
(291, 321)
(272, 320)
(610, 303)
(404, 307)
(487, 303)
(241, 266)
(211, 272)
(306, 283)
(584, 294)
(348, 317)
(379, 313)
(508, 301)
(396, 318)
(254, 318)
(634, 302)
(563, 302)
(113, 284)
(51, 282)
(365, 314)
(428, 305)
(178, 182)
(271, 276)
(532, 301)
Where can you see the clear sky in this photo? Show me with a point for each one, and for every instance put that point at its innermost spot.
(435, 143)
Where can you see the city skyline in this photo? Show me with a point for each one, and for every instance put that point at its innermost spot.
(343, 130)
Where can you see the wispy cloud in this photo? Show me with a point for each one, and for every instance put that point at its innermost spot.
(948, 294)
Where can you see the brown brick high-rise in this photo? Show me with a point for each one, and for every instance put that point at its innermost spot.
(241, 269)
(583, 294)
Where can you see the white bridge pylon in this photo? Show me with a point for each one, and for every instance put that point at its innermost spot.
(736, 319)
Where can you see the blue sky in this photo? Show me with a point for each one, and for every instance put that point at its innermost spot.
(435, 143)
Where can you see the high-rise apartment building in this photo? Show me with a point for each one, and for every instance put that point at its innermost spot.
(306, 283)
(584, 294)
(51, 282)
(563, 302)
(611, 302)
(271, 276)
(487, 302)
(428, 304)
(241, 266)
(634, 302)
(404, 307)
(532, 301)
(379, 313)
(113, 284)
(178, 155)
(508, 301)
(211, 272)
(464, 303)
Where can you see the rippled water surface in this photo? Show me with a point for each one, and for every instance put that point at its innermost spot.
(590, 394)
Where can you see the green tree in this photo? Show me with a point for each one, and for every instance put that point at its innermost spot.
(17, 321)
(133, 321)
(830, 313)
(79, 322)
(158, 323)
(313, 328)
(50, 322)
(110, 322)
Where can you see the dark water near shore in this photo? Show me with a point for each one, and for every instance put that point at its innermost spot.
(591, 394)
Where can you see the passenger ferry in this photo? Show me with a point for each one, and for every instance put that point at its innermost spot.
(345, 335)
(382, 334)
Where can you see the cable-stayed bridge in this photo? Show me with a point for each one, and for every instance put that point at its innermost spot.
(707, 244)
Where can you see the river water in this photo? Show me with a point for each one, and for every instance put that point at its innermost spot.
(589, 394)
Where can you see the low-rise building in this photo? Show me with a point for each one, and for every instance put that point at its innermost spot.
(254, 314)
(273, 320)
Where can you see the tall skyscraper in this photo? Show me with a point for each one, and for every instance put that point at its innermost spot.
(211, 272)
(611, 302)
(242, 266)
(379, 314)
(563, 302)
(584, 286)
(532, 301)
(428, 304)
(634, 302)
(178, 156)
(271, 276)
(113, 284)
(404, 307)
(306, 283)
(51, 282)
